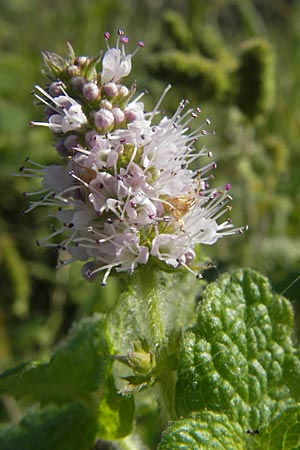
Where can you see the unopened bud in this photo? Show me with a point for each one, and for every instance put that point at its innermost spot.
(91, 91)
(123, 91)
(140, 362)
(48, 110)
(130, 115)
(104, 119)
(81, 60)
(89, 271)
(73, 70)
(61, 149)
(110, 90)
(71, 141)
(78, 83)
(55, 88)
(106, 104)
(90, 137)
(119, 116)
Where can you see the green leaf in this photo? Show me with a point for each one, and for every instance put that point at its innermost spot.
(116, 414)
(239, 359)
(76, 368)
(71, 427)
(205, 430)
(284, 431)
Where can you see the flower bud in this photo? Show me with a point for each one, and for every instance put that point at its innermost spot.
(91, 91)
(48, 110)
(106, 104)
(61, 149)
(73, 70)
(123, 91)
(119, 116)
(130, 116)
(71, 141)
(88, 271)
(104, 120)
(90, 137)
(110, 90)
(55, 88)
(81, 60)
(78, 83)
(140, 362)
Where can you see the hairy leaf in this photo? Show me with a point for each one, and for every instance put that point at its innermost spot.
(239, 359)
(75, 369)
(70, 427)
(205, 430)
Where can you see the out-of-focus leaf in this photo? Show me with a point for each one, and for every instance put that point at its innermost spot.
(76, 368)
(17, 273)
(115, 414)
(70, 427)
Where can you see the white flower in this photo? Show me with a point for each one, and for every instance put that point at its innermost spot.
(115, 65)
(69, 115)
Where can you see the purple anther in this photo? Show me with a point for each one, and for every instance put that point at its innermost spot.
(107, 35)
(124, 39)
(227, 186)
(120, 32)
(141, 44)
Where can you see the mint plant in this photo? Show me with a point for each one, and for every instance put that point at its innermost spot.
(217, 361)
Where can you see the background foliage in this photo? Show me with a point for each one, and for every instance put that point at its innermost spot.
(238, 60)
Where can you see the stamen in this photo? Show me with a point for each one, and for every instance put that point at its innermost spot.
(160, 101)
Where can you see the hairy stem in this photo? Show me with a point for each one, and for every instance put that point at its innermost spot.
(151, 297)
(148, 287)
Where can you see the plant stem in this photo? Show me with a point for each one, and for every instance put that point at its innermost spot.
(148, 287)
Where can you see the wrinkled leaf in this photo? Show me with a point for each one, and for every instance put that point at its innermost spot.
(239, 359)
(205, 430)
(71, 427)
(76, 368)
(284, 431)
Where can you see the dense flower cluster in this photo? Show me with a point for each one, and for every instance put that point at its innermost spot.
(126, 191)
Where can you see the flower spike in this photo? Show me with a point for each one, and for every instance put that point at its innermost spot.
(126, 191)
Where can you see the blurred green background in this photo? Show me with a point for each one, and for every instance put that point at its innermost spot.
(238, 60)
